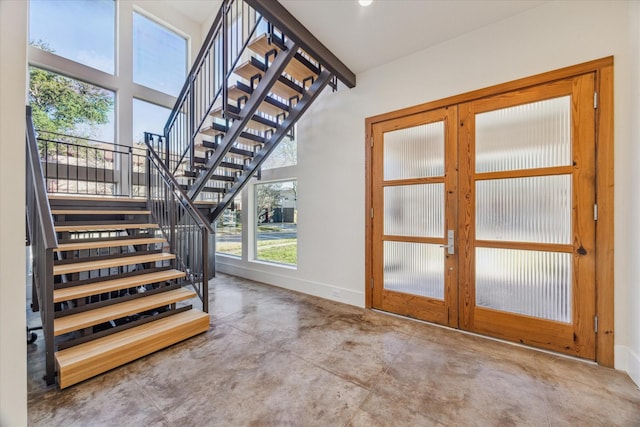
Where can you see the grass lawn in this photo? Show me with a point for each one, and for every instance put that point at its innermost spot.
(283, 251)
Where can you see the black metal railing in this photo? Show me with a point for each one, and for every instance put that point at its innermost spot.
(189, 234)
(43, 241)
(76, 165)
(207, 83)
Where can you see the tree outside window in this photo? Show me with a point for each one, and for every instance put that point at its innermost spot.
(276, 222)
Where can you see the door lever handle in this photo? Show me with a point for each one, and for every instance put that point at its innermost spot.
(450, 242)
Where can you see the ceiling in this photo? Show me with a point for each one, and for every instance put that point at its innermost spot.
(365, 37)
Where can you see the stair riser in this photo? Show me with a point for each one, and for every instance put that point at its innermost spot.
(94, 317)
(125, 352)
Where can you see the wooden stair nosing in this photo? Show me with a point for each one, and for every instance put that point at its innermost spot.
(295, 68)
(75, 322)
(257, 123)
(109, 263)
(281, 88)
(218, 190)
(208, 145)
(83, 198)
(98, 212)
(77, 246)
(270, 106)
(245, 137)
(82, 291)
(87, 360)
(104, 227)
(226, 178)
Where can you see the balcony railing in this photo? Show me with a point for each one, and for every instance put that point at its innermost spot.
(76, 165)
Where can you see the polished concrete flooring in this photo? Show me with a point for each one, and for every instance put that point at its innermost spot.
(278, 358)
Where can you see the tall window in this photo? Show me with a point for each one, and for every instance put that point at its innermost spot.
(159, 56)
(148, 117)
(82, 30)
(229, 230)
(62, 105)
(276, 222)
(285, 154)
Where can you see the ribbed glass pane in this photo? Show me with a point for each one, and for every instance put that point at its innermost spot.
(415, 152)
(414, 268)
(532, 283)
(527, 136)
(414, 210)
(536, 209)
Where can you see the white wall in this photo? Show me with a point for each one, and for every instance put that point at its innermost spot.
(13, 345)
(330, 172)
(628, 353)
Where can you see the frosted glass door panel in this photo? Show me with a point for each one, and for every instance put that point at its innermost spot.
(416, 152)
(536, 209)
(531, 283)
(414, 268)
(414, 210)
(528, 136)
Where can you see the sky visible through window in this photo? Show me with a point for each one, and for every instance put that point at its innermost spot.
(159, 56)
(148, 117)
(83, 31)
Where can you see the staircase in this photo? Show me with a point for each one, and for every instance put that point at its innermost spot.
(111, 276)
(216, 141)
(116, 291)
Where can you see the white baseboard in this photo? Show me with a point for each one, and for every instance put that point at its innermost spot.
(285, 281)
(629, 361)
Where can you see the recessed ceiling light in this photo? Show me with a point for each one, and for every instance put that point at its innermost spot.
(365, 2)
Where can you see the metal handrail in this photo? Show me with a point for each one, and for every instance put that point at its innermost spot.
(182, 224)
(168, 176)
(208, 78)
(43, 241)
(100, 168)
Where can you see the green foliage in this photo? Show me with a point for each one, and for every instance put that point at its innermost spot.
(283, 251)
(61, 105)
(66, 106)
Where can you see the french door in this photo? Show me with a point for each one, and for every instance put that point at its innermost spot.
(483, 215)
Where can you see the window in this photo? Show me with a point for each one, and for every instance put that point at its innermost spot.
(159, 56)
(276, 222)
(148, 117)
(285, 154)
(82, 31)
(67, 106)
(229, 230)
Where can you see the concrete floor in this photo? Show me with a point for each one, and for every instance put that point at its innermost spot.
(278, 358)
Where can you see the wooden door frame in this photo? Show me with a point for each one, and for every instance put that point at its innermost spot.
(603, 69)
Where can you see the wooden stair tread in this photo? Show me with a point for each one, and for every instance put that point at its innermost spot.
(76, 246)
(97, 212)
(75, 322)
(253, 124)
(87, 360)
(82, 198)
(103, 227)
(66, 294)
(247, 70)
(211, 131)
(294, 68)
(265, 107)
(112, 262)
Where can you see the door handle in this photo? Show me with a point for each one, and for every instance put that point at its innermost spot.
(450, 242)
